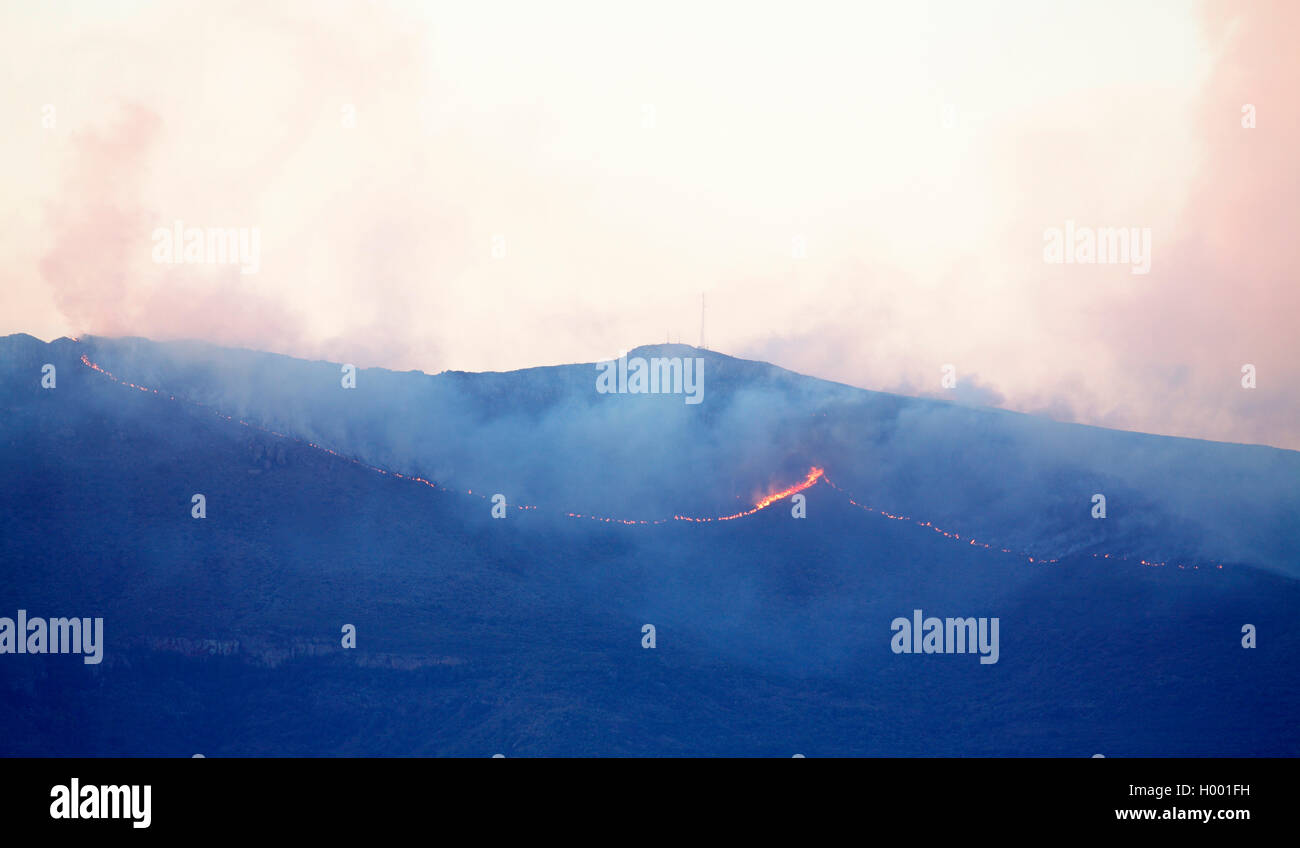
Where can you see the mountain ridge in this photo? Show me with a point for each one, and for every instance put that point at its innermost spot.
(783, 422)
(524, 636)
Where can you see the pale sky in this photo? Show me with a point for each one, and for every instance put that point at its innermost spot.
(631, 157)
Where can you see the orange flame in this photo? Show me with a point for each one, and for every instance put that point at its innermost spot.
(814, 474)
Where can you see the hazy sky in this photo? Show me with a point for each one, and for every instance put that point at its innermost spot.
(860, 190)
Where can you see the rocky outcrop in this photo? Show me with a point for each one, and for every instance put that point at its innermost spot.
(272, 653)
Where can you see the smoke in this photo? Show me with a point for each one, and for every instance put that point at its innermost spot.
(387, 151)
(100, 227)
(350, 238)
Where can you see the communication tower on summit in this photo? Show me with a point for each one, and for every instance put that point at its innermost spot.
(703, 346)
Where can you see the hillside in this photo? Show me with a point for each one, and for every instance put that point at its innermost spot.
(523, 635)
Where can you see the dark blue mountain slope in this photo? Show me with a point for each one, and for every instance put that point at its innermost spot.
(524, 635)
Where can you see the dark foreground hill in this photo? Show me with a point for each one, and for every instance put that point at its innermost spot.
(524, 635)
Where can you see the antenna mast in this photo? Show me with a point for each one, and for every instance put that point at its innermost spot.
(702, 339)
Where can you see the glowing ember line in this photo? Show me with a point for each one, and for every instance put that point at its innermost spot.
(814, 476)
(1022, 555)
